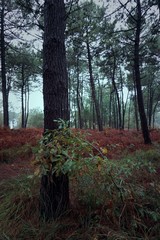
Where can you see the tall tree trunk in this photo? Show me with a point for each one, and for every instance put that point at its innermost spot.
(27, 92)
(114, 112)
(143, 118)
(116, 90)
(93, 90)
(54, 192)
(75, 113)
(22, 98)
(100, 101)
(150, 104)
(5, 92)
(93, 117)
(129, 113)
(22, 107)
(78, 97)
(154, 113)
(123, 104)
(136, 110)
(110, 108)
(90, 115)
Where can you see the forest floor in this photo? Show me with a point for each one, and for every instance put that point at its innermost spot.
(16, 146)
(16, 151)
(136, 168)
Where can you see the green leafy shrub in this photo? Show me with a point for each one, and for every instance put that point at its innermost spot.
(63, 151)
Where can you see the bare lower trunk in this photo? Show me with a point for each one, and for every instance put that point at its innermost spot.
(54, 196)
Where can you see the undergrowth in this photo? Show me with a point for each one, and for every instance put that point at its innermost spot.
(11, 154)
(118, 200)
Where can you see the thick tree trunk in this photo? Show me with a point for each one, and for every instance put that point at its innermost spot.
(93, 90)
(5, 92)
(142, 114)
(54, 193)
(54, 197)
(55, 85)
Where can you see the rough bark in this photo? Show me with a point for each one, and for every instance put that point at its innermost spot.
(53, 198)
(54, 193)
(55, 85)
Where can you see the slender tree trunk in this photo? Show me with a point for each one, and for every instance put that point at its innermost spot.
(150, 105)
(54, 192)
(90, 115)
(22, 98)
(22, 107)
(75, 113)
(129, 113)
(116, 91)
(110, 108)
(136, 111)
(143, 118)
(124, 105)
(26, 104)
(3, 70)
(154, 113)
(93, 90)
(93, 117)
(78, 97)
(114, 110)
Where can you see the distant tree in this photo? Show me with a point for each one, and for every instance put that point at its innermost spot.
(5, 90)
(141, 17)
(151, 68)
(83, 32)
(12, 26)
(76, 83)
(23, 66)
(138, 25)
